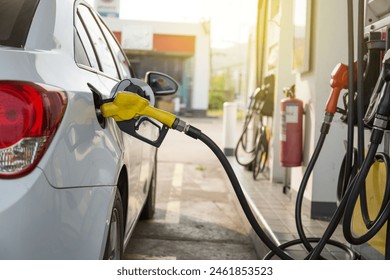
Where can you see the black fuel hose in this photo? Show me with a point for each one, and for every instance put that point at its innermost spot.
(373, 226)
(345, 177)
(351, 69)
(347, 168)
(300, 197)
(360, 106)
(333, 224)
(356, 188)
(197, 134)
(302, 188)
(275, 249)
(241, 197)
(352, 254)
(348, 202)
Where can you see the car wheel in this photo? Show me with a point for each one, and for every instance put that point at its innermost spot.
(114, 244)
(150, 204)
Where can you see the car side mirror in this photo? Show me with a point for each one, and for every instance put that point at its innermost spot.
(161, 83)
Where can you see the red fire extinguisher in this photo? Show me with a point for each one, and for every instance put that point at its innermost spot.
(291, 129)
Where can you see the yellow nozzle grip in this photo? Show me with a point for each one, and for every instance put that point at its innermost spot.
(127, 106)
(160, 115)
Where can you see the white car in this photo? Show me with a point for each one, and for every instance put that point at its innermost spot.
(72, 183)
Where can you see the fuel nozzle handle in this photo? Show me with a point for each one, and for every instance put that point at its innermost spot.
(382, 113)
(128, 105)
(384, 105)
(339, 81)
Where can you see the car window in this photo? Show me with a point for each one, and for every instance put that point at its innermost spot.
(81, 56)
(123, 63)
(102, 50)
(15, 20)
(86, 46)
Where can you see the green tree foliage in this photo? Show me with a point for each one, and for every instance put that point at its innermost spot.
(220, 91)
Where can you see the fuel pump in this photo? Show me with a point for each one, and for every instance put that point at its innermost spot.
(358, 224)
(380, 124)
(252, 146)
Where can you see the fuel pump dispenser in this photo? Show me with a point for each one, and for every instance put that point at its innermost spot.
(252, 146)
(368, 168)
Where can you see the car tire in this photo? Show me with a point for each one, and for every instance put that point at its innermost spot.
(114, 243)
(150, 204)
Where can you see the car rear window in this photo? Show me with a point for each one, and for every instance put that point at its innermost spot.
(15, 20)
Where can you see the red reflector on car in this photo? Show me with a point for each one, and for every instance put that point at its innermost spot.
(29, 116)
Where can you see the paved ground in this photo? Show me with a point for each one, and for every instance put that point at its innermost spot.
(196, 216)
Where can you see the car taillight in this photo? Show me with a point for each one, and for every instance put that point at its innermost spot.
(29, 116)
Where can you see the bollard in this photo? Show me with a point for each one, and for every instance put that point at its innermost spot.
(176, 102)
(229, 128)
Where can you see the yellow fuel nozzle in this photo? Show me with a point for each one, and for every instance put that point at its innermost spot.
(128, 105)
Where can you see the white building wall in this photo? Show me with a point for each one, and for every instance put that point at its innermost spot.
(328, 48)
